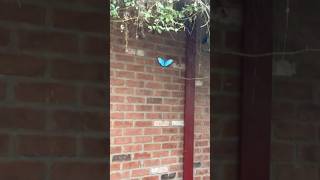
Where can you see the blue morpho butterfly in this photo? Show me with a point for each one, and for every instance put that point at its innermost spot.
(164, 63)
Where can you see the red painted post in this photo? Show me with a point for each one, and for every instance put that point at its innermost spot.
(189, 105)
(256, 91)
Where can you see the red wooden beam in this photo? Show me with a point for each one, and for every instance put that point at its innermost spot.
(189, 105)
(256, 92)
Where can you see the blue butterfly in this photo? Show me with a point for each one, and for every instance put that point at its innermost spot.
(165, 63)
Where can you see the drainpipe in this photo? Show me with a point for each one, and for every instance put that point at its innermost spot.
(189, 109)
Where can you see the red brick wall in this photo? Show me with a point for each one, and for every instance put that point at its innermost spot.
(53, 76)
(144, 95)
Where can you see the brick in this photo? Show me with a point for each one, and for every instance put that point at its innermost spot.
(143, 139)
(115, 149)
(122, 140)
(133, 84)
(94, 96)
(115, 166)
(123, 107)
(169, 145)
(291, 172)
(160, 138)
(151, 178)
(169, 160)
(154, 100)
(4, 37)
(143, 108)
(38, 41)
(124, 91)
(134, 115)
(135, 68)
(122, 124)
(2, 90)
(35, 145)
(22, 65)
(117, 65)
(161, 108)
(131, 165)
(115, 132)
(4, 144)
(79, 121)
(125, 74)
(169, 130)
(122, 157)
(132, 148)
(154, 115)
(22, 118)
(140, 172)
(295, 131)
(133, 132)
(282, 152)
(144, 92)
(70, 70)
(226, 104)
(292, 90)
(135, 99)
(22, 169)
(151, 147)
(226, 150)
(79, 21)
(116, 82)
(309, 153)
(94, 147)
(117, 115)
(116, 99)
(154, 85)
(143, 124)
(46, 93)
(168, 176)
(152, 131)
(160, 154)
(27, 14)
(143, 76)
(78, 170)
(95, 46)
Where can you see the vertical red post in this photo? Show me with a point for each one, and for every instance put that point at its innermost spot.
(256, 91)
(189, 104)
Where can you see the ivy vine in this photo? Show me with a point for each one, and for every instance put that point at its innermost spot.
(158, 15)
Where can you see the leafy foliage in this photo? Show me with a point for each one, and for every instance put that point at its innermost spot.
(158, 15)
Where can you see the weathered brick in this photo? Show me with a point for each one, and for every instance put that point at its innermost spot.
(35, 145)
(22, 169)
(47, 41)
(79, 121)
(22, 65)
(79, 20)
(45, 92)
(28, 14)
(78, 170)
(122, 157)
(70, 70)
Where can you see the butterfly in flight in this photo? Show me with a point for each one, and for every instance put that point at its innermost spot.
(165, 63)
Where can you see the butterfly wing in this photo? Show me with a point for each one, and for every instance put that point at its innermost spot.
(168, 62)
(162, 62)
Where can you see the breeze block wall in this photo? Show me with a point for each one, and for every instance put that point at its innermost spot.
(147, 109)
(296, 95)
(53, 93)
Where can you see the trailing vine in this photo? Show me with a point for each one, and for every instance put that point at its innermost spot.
(158, 15)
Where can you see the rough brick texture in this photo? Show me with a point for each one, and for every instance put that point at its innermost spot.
(145, 100)
(53, 93)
